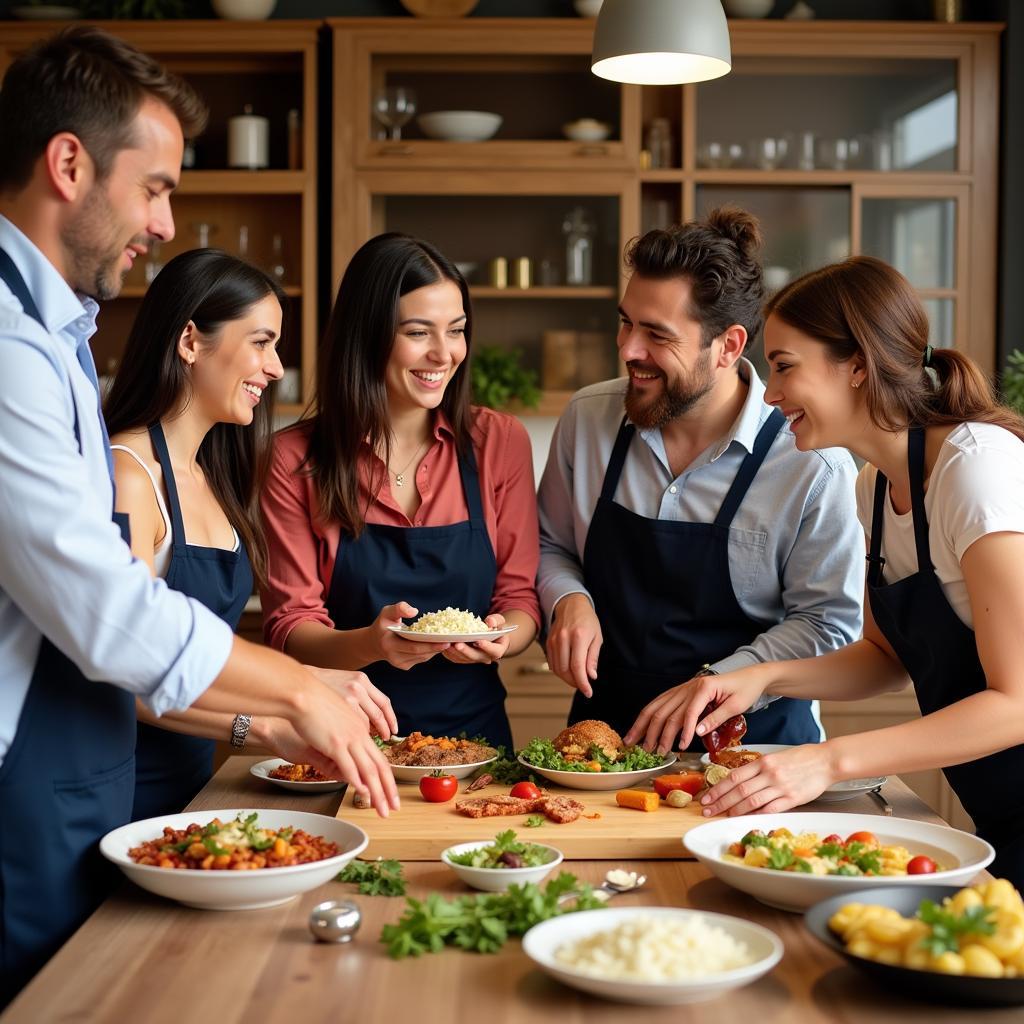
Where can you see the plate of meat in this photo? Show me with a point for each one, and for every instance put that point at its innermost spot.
(559, 809)
(301, 777)
(413, 756)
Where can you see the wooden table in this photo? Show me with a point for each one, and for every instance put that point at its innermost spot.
(144, 960)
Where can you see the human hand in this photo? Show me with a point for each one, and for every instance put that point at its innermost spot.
(328, 723)
(356, 688)
(677, 712)
(775, 782)
(394, 649)
(574, 643)
(481, 652)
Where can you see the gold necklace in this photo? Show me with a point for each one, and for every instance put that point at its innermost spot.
(400, 476)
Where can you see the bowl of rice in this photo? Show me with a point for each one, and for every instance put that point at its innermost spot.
(450, 625)
(652, 955)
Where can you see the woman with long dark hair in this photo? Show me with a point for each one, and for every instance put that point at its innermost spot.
(941, 499)
(398, 498)
(190, 421)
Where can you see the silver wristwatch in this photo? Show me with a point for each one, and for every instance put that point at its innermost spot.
(240, 729)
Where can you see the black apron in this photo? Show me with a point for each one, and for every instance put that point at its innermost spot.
(663, 595)
(430, 567)
(170, 767)
(65, 782)
(941, 656)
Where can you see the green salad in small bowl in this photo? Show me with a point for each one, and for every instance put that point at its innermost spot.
(494, 866)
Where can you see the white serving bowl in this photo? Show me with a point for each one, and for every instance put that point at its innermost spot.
(262, 770)
(234, 890)
(541, 942)
(460, 125)
(604, 781)
(965, 854)
(587, 129)
(415, 772)
(588, 8)
(498, 879)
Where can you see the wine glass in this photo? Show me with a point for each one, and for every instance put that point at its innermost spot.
(394, 106)
(202, 231)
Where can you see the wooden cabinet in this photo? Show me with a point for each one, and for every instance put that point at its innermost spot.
(267, 215)
(882, 142)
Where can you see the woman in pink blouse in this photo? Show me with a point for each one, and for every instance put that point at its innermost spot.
(399, 498)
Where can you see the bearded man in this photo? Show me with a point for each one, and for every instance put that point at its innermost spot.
(690, 535)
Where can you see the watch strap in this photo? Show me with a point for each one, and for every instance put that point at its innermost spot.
(240, 729)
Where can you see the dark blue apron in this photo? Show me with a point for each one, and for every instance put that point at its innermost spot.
(170, 767)
(65, 782)
(941, 656)
(663, 595)
(430, 567)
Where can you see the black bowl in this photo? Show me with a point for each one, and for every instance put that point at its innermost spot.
(936, 988)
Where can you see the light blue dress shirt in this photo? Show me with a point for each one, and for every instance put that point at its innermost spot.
(65, 573)
(796, 548)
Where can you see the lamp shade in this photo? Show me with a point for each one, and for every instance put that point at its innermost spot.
(661, 42)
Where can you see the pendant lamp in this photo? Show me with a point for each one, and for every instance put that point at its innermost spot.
(661, 42)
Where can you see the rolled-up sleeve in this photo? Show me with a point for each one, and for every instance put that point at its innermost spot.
(516, 542)
(63, 564)
(561, 568)
(294, 591)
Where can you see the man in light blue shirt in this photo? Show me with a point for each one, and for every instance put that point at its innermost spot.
(681, 530)
(92, 140)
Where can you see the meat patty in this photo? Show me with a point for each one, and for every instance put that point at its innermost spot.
(574, 742)
(559, 809)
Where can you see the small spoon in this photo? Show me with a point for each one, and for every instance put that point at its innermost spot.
(610, 887)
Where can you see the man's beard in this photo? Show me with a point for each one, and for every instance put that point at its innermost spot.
(676, 399)
(92, 264)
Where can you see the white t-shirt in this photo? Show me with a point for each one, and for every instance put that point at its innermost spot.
(976, 487)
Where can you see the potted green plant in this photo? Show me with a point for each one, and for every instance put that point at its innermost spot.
(1012, 384)
(498, 380)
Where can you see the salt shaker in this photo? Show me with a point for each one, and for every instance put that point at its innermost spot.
(335, 921)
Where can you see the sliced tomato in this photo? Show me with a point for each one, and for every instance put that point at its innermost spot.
(921, 865)
(437, 788)
(525, 791)
(688, 782)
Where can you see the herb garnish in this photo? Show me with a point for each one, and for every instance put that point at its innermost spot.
(374, 877)
(947, 927)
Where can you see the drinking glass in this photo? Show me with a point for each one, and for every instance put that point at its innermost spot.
(394, 106)
(202, 230)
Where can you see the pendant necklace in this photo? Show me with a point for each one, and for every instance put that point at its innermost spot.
(400, 476)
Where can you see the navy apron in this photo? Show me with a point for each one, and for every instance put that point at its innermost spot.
(664, 597)
(171, 767)
(65, 782)
(430, 567)
(941, 656)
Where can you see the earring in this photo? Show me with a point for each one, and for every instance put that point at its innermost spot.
(854, 383)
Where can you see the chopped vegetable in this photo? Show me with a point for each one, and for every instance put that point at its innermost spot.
(688, 782)
(947, 927)
(678, 798)
(525, 791)
(637, 799)
(374, 877)
(534, 821)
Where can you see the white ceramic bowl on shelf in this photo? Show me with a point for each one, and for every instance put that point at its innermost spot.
(588, 8)
(460, 125)
(243, 10)
(962, 854)
(234, 890)
(587, 129)
(498, 879)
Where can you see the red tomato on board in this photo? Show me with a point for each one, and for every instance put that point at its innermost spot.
(525, 791)
(435, 789)
(921, 865)
(688, 782)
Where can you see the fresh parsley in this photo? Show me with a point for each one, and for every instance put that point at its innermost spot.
(480, 923)
(374, 877)
(534, 821)
(947, 927)
(755, 838)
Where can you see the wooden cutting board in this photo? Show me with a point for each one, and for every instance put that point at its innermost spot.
(420, 830)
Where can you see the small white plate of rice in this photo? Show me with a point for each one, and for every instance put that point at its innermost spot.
(451, 626)
(653, 955)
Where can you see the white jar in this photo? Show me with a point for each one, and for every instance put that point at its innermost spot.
(248, 141)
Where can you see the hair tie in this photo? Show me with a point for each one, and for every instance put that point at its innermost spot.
(928, 355)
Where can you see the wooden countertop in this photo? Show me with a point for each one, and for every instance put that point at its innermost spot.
(141, 958)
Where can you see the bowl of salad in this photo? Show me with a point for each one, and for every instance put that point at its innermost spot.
(506, 860)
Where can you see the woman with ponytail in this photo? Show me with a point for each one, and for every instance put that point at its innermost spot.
(941, 500)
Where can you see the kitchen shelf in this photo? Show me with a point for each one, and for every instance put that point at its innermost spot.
(201, 183)
(544, 292)
(137, 291)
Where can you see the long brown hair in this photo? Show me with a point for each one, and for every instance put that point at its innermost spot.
(209, 288)
(351, 397)
(862, 306)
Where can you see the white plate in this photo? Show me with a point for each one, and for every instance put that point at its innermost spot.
(835, 793)
(600, 780)
(965, 854)
(263, 769)
(499, 879)
(234, 890)
(450, 638)
(541, 941)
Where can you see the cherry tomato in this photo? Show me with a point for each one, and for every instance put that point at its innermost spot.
(831, 839)
(867, 838)
(688, 782)
(525, 791)
(438, 787)
(921, 865)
